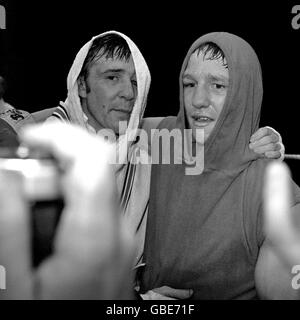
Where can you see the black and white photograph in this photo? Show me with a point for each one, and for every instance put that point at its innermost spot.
(149, 152)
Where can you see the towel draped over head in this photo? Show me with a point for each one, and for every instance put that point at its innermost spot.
(132, 180)
(73, 105)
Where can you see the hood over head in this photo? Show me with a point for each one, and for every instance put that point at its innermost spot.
(227, 145)
(133, 181)
(72, 103)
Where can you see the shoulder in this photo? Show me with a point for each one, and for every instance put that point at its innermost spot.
(61, 114)
(16, 118)
(56, 114)
(42, 115)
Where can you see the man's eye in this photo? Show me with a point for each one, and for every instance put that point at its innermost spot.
(134, 82)
(113, 78)
(188, 84)
(219, 86)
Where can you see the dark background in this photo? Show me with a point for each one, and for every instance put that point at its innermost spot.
(42, 39)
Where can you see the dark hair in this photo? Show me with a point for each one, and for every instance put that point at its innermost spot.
(3, 87)
(108, 46)
(212, 52)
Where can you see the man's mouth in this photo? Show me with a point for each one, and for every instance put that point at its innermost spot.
(201, 120)
(126, 111)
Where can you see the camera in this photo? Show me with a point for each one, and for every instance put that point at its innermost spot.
(41, 184)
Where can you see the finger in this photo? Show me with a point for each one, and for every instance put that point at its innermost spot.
(281, 150)
(266, 140)
(65, 140)
(278, 222)
(275, 132)
(157, 296)
(15, 253)
(152, 295)
(260, 133)
(85, 155)
(263, 149)
(175, 293)
(273, 154)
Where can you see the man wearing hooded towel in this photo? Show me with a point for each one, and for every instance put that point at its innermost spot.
(108, 83)
(207, 233)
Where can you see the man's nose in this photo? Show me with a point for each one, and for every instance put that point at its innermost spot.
(201, 97)
(128, 90)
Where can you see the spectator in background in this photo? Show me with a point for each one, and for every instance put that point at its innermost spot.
(14, 117)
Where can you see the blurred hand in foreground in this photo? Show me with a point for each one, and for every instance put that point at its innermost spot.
(93, 250)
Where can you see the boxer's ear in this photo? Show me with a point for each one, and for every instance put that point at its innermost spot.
(82, 87)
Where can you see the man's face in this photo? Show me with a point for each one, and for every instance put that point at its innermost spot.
(109, 93)
(205, 84)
